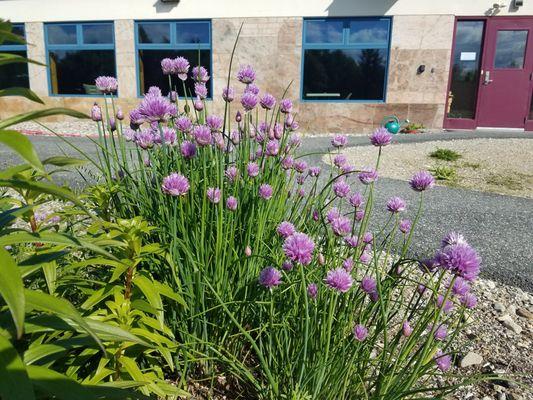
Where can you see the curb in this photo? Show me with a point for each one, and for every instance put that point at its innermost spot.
(32, 132)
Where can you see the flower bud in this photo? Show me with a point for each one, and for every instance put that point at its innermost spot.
(238, 116)
(248, 251)
(120, 114)
(96, 113)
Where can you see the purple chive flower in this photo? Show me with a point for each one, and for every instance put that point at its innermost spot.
(246, 74)
(270, 277)
(341, 188)
(144, 139)
(312, 290)
(406, 329)
(129, 134)
(183, 124)
(198, 104)
(300, 179)
(301, 192)
(446, 306)
(300, 166)
(169, 136)
(452, 238)
(339, 280)
(173, 96)
(119, 114)
(285, 229)
(252, 169)
(287, 162)
(228, 94)
(316, 215)
(469, 300)
(368, 285)
(368, 237)
(441, 332)
(332, 214)
(356, 200)
(214, 122)
(368, 176)
(421, 181)
(214, 195)
(299, 248)
(106, 84)
(265, 191)
(360, 332)
(175, 185)
(341, 226)
(460, 287)
(365, 257)
(339, 141)
(231, 173)
(235, 137)
(252, 88)
(405, 226)
(460, 259)
(287, 265)
(188, 149)
(96, 113)
(359, 215)
(351, 241)
(278, 130)
(444, 362)
(381, 137)
(136, 118)
(202, 135)
(285, 106)
(421, 289)
(231, 203)
(267, 101)
(156, 108)
(181, 66)
(348, 264)
(396, 204)
(295, 140)
(200, 74)
(339, 160)
(249, 101)
(200, 90)
(314, 171)
(347, 168)
(272, 148)
(168, 66)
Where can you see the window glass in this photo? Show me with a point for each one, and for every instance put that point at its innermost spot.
(510, 49)
(154, 32)
(74, 71)
(61, 34)
(369, 31)
(465, 69)
(97, 33)
(150, 68)
(324, 31)
(14, 75)
(357, 74)
(17, 29)
(192, 32)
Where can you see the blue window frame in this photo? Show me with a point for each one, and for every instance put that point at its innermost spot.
(155, 40)
(345, 59)
(77, 53)
(15, 74)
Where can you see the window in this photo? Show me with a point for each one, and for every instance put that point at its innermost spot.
(78, 53)
(170, 39)
(15, 74)
(345, 59)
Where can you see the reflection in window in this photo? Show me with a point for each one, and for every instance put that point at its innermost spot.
(510, 49)
(189, 39)
(75, 64)
(465, 69)
(345, 59)
(15, 74)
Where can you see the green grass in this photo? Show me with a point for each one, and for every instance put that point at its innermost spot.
(444, 173)
(508, 181)
(445, 155)
(471, 165)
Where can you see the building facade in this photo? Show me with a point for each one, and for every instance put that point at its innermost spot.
(346, 63)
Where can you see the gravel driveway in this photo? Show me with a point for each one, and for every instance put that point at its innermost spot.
(500, 227)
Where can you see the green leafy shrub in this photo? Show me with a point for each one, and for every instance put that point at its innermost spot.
(444, 173)
(445, 154)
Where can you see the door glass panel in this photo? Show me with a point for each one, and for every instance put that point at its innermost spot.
(510, 49)
(324, 31)
(465, 69)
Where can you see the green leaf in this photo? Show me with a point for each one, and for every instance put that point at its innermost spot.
(29, 116)
(134, 371)
(21, 92)
(59, 161)
(12, 289)
(58, 386)
(10, 215)
(38, 351)
(9, 58)
(167, 291)
(14, 381)
(61, 307)
(147, 287)
(22, 146)
(114, 333)
(10, 172)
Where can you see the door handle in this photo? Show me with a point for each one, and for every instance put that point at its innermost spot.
(486, 79)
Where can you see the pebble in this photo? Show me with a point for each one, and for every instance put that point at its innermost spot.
(508, 322)
(502, 396)
(524, 313)
(469, 359)
(490, 284)
(498, 306)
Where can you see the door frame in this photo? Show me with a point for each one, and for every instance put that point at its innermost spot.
(467, 123)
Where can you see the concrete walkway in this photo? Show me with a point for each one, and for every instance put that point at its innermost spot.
(500, 227)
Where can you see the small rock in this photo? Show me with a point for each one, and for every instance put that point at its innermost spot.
(498, 306)
(508, 322)
(524, 313)
(501, 396)
(490, 284)
(486, 398)
(471, 358)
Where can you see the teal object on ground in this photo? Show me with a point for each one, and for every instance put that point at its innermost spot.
(392, 124)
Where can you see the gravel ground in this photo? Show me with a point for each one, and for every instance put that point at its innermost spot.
(502, 166)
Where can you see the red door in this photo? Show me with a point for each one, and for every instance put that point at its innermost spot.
(504, 98)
